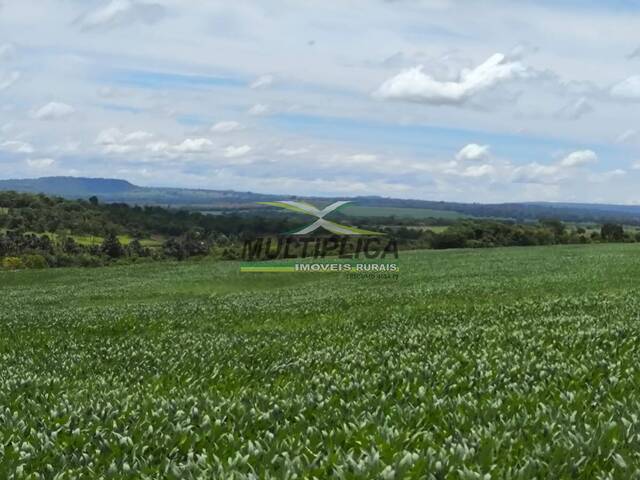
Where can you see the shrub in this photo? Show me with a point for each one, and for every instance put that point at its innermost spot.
(111, 246)
(12, 263)
(86, 260)
(34, 261)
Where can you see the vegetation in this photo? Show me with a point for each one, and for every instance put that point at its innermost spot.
(399, 213)
(120, 191)
(37, 231)
(88, 233)
(496, 363)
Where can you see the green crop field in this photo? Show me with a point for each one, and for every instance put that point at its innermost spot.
(399, 212)
(515, 363)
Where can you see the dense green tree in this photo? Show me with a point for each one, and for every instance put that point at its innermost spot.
(612, 232)
(111, 246)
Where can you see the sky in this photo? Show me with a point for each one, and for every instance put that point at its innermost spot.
(456, 100)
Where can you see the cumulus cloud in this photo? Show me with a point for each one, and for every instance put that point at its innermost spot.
(234, 152)
(627, 89)
(226, 127)
(8, 79)
(40, 163)
(53, 111)
(476, 171)
(416, 86)
(262, 82)
(137, 136)
(109, 136)
(579, 158)
(118, 142)
(194, 145)
(16, 146)
(473, 152)
(117, 13)
(157, 147)
(537, 174)
(551, 174)
(259, 109)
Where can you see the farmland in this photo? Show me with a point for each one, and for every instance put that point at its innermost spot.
(495, 363)
(399, 212)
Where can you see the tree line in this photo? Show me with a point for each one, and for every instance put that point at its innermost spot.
(38, 231)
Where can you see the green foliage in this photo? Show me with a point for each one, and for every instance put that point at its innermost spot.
(111, 246)
(12, 263)
(34, 261)
(497, 363)
(612, 232)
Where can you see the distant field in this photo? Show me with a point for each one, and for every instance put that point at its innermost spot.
(124, 239)
(398, 212)
(514, 363)
(97, 240)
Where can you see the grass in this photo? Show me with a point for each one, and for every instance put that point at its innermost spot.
(502, 363)
(154, 242)
(124, 240)
(399, 212)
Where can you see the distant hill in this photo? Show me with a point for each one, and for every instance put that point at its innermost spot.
(77, 187)
(113, 190)
(121, 191)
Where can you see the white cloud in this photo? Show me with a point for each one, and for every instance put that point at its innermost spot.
(53, 111)
(138, 136)
(194, 145)
(8, 79)
(414, 85)
(115, 141)
(473, 152)
(628, 89)
(262, 82)
(226, 127)
(579, 158)
(478, 171)
(234, 152)
(157, 147)
(292, 152)
(121, 12)
(16, 146)
(39, 163)
(259, 109)
(109, 136)
(537, 174)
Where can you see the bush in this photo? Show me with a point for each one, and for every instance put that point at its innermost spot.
(34, 261)
(86, 260)
(12, 263)
(111, 246)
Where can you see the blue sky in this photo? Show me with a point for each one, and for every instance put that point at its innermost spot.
(436, 99)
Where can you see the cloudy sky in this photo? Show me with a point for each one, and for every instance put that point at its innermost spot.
(433, 99)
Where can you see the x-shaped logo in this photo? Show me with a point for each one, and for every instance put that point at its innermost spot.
(308, 209)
